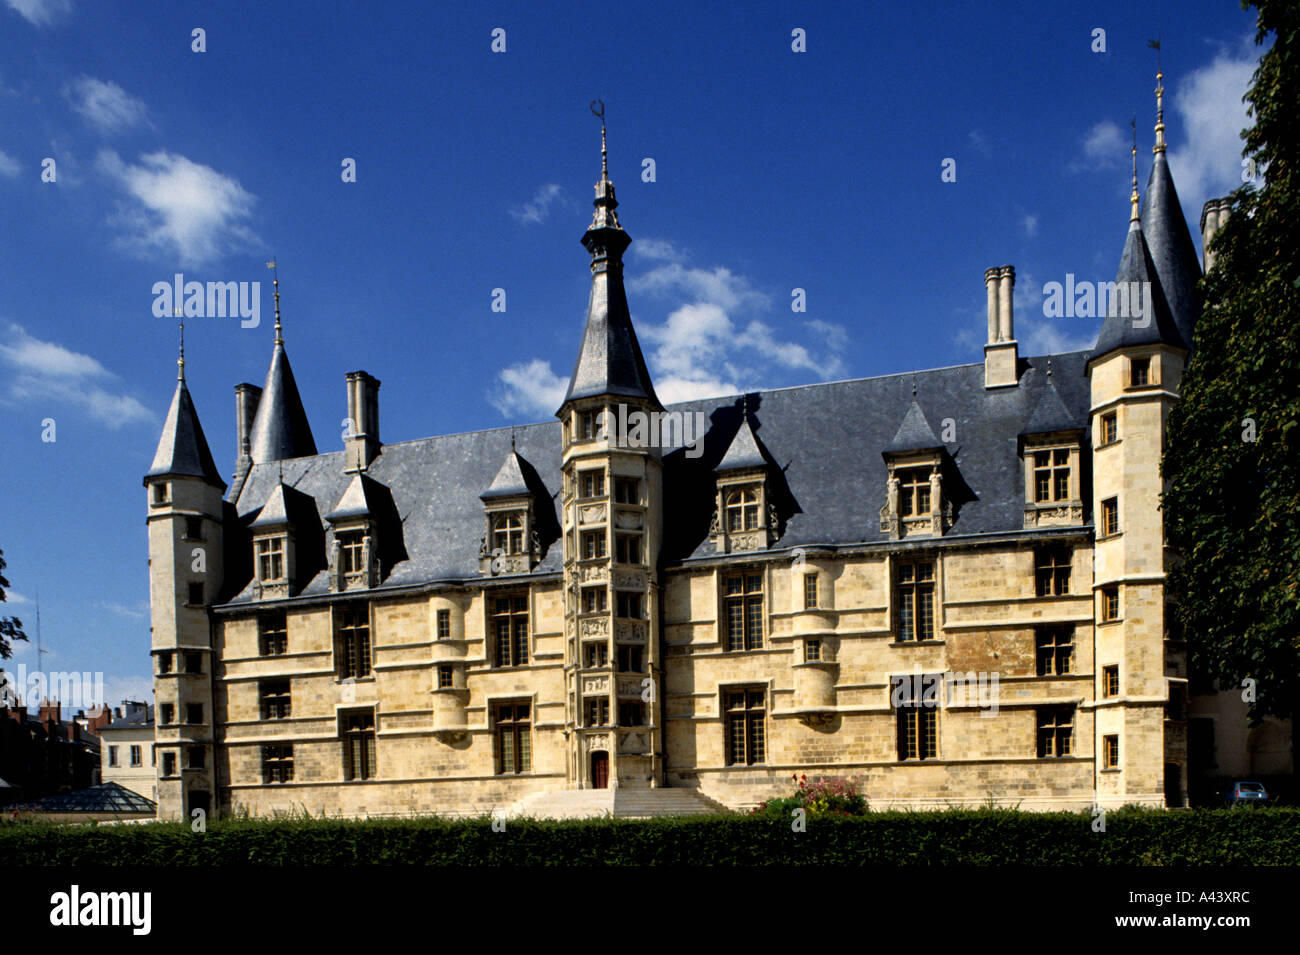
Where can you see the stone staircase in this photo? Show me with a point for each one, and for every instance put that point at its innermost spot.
(619, 803)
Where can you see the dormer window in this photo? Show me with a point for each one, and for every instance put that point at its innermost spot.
(270, 559)
(508, 534)
(742, 510)
(351, 548)
(1052, 475)
(913, 492)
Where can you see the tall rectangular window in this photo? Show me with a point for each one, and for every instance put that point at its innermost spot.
(596, 711)
(591, 484)
(193, 663)
(1110, 752)
(1052, 571)
(510, 629)
(166, 713)
(513, 739)
(277, 763)
(445, 677)
(913, 492)
(743, 608)
(1109, 603)
(1110, 680)
(593, 599)
(137, 756)
(270, 559)
(358, 745)
(593, 544)
(812, 651)
(169, 764)
(742, 510)
(595, 654)
(275, 699)
(1055, 731)
(918, 732)
(631, 659)
(196, 595)
(164, 663)
(350, 550)
(444, 624)
(1052, 475)
(112, 756)
(629, 605)
(195, 757)
(272, 634)
(627, 548)
(1055, 651)
(1109, 428)
(1110, 516)
(915, 597)
(627, 491)
(809, 591)
(353, 646)
(746, 737)
(194, 528)
(1141, 372)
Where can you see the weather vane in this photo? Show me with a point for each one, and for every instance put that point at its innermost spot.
(600, 114)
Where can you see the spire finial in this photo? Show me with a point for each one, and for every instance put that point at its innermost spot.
(275, 281)
(1049, 367)
(1159, 147)
(281, 463)
(604, 154)
(180, 358)
(1133, 196)
(914, 387)
(512, 440)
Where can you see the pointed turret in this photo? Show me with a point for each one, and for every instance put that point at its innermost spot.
(744, 451)
(510, 480)
(609, 361)
(182, 448)
(1167, 236)
(1138, 313)
(280, 430)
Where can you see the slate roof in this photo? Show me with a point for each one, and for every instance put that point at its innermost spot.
(914, 433)
(182, 448)
(280, 429)
(1136, 270)
(1050, 413)
(1172, 251)
(509, 480)
(743, 452)
(357, 500)
(106, 797)
(826, 476)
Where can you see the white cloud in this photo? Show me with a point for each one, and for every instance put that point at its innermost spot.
(1054, 336)
(1030, 223)
(104, 105)
(138, 689)
(980, 142)
(1105, 144)
(539, 209)
(1210, 115)
(530, 389)
(14, 598)
(8, 164)
(39, 12)
(131, 613)
(700, 350)
(45, 371)
(177, 205)
(718, 285)
(658, 250)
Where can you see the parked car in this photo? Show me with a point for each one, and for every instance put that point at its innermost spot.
(1245, 794)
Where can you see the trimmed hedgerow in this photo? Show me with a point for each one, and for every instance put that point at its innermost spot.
(955, 837)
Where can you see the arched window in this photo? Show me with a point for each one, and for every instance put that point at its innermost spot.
(742, 511)
(508, 534)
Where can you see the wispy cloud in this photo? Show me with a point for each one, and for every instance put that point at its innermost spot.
(1104, 145)
(40, 13)
(1210, 115)
(538, 210)
(1030, 222)
(1054, 336)
(131, 613)
(712, 343)
(981, 143)
(15, 598)
(104, 104)
(528, 389)
(46, 371)
(8, 164)
(179, 206)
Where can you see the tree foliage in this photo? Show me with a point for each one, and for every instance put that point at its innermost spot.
(1233, 503)
(11, 628)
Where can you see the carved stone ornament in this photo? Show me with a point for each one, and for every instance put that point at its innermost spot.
(591, 514)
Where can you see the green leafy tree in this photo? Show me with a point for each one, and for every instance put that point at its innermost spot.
(1232, 463)
(11, 628)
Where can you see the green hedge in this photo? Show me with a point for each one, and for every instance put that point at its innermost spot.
(957, 837)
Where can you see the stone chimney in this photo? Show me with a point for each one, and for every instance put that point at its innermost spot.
(1213, 216)
(1000, 354)
(362, 439)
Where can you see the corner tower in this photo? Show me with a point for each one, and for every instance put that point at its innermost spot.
(1139, 744)
(184, 510)
(612, 521)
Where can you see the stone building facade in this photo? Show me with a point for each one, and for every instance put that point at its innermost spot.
(948, 583)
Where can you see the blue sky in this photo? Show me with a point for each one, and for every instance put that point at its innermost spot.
(774, 170)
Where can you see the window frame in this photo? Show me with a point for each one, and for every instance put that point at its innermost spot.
(743, 632)
(1055, 736)
(1110, 517)
(1053, 570)
(353, 642)
(512, 720)
(744, 710)
(515, 650)
(1110, 681)
(913, 613)
(1054, 650)
(358, 737)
